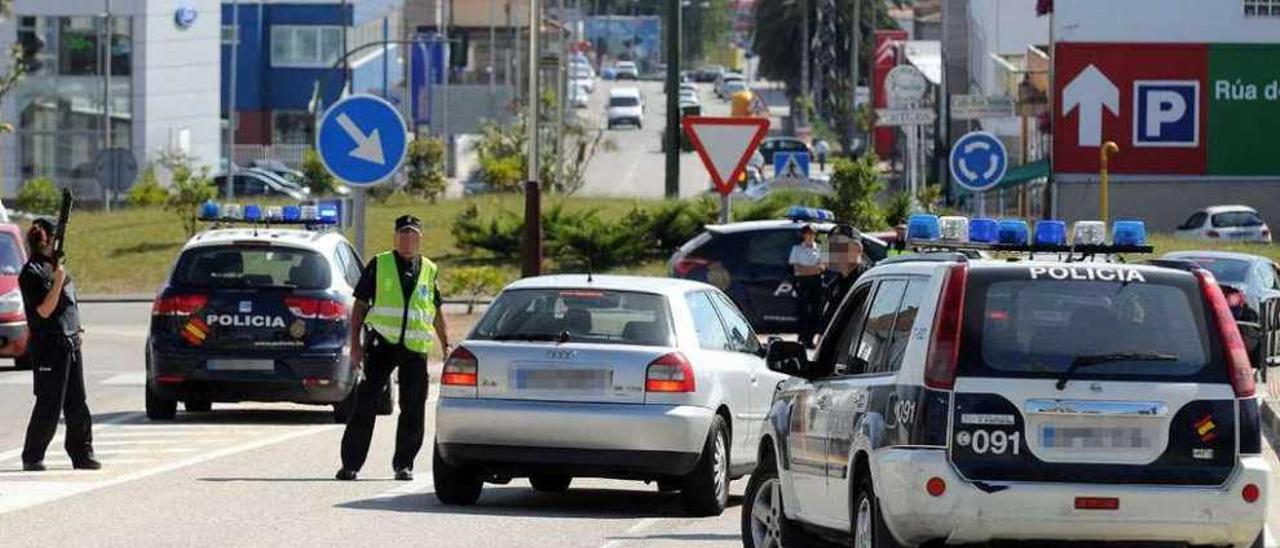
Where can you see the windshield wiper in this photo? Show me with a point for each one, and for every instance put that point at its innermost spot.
(1090, 360)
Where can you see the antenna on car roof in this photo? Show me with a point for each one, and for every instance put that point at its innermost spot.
(588, 270)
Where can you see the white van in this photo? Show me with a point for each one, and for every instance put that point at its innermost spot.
(625, 107)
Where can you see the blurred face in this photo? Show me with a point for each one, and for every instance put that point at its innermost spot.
(407, 243)
(808, 236)
(845, 254)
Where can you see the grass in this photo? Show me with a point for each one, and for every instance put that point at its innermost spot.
(130, 251)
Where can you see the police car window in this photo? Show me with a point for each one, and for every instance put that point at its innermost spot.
(772, 247)
(246, 267)
(1266, 275)
(351, 266)
(855, 315)
(877, 333)
(10, 254)
(908, 309)
(706, 322)
(577, 315)
(1039, 327)
(741, 337)
(1232, 271)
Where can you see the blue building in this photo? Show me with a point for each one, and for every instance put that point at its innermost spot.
(286, 55)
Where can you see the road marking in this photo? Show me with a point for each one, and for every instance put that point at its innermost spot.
(23, 377)
(634, 531)
(126, 379)
(112, 421)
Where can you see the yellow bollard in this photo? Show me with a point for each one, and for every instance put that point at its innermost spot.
(1108, 149)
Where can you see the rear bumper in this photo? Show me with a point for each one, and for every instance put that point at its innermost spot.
(521, 461)
(314, 378)
(1046, 511)
(13, 339)
(664, 439)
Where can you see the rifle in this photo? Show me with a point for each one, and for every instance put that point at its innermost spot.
(60, 229)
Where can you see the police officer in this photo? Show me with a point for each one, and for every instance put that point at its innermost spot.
(899, 245)
(807, 265)
(398, 299)
(847, 264)
(53, 318)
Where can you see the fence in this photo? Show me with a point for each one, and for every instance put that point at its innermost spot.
(291, 154)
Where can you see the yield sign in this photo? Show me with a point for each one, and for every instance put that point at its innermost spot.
(725, 145)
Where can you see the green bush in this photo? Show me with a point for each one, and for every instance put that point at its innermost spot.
(500, 235)
(39, 195)
(472, 282)
(596, 245)
(930, 198)
(857, 184)
(191, 187)
(898, 208)
(317, 176)
(424, 164)
(148, 192)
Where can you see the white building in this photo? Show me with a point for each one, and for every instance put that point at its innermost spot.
(164, 87)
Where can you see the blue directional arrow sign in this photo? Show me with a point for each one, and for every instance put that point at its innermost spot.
(978, 161)
(362, 140)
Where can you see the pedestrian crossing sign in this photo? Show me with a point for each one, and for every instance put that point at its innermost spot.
(791, 165)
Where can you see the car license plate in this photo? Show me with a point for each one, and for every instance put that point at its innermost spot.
(1090, 438)
(240, 365)
(564, 379)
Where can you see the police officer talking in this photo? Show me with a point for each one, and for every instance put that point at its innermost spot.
(397, 298)
(53, 318)
(846, 264)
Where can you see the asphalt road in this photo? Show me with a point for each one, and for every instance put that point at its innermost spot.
(261, 475)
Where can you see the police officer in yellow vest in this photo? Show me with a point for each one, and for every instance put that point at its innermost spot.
(398, 300)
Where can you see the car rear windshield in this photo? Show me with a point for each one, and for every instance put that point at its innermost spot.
(1236, 218)
(1232, 271)
(577, 315)
(10, 255)
(1019, 326)
(251, 266)
(623, 101)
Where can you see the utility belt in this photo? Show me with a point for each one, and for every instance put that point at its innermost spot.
(74, 340)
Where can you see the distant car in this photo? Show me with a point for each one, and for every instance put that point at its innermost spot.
(608, 73)
(256, 183)
(688, 97)
(626, 70)
(13, 318)
(734, 87)
(708, 74)
(773, 145)
(583, 76)
(625, 107)
(1246, 280)
(748, 261)
(689, 86)
(723, 79)
(623, 377)
(1235, 223)
(579, 96)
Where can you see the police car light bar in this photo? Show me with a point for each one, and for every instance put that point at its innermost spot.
(931, 232)
(321, 214)
(801, 213)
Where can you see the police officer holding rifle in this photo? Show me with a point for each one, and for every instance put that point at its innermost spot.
(53, 318)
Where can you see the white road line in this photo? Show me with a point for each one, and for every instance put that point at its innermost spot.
(58, 439)
(19, 495)
(151, 451)
(634, 530)
(63, 460)
(23, 378)
(126, 379)
(116, 434)
(414, 487)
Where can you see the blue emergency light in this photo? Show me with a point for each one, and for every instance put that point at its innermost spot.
(1051, 232)
(209, 210)
(923, 227)
(1013, 232)
(950, 233)
(801, 213)
(984, 231)
(292, 213)
(1129, 232)
(252, 213)
(325, 213)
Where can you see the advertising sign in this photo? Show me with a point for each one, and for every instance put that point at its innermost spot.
(886, 58)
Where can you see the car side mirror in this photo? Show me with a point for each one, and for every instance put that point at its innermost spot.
(787, 357)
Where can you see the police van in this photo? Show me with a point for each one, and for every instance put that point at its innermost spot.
(1055, 396)
(256, 309)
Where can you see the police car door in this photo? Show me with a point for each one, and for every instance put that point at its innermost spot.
(1095, 373)
(768, 278)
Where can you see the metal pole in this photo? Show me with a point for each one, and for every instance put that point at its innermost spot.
(1108, 149)
(493, 56)
(532, 192)
(854, 69)
(726, 208)
(106, 99)
(801, 119)
(673, 100)
(562, 87)
(231, 100)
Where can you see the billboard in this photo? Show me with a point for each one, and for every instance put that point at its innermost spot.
(886, 58)
(636, 37)
(1192, 110)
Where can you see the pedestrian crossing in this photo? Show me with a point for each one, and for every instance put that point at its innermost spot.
(25, 378)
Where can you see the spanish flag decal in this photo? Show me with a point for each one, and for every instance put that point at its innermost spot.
(195, 331)
(1205, 429)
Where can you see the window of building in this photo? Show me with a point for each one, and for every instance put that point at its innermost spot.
(1262, 8)
(228, 34)
(312, 46)
(292, 128)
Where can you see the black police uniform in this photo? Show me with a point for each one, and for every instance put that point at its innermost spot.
(57, 365)
(835, 290)
(380, 358)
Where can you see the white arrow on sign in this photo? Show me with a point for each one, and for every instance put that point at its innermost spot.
(1091, 91)
(368, 147)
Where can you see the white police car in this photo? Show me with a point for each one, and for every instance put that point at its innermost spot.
(256, 313)
(958, 401)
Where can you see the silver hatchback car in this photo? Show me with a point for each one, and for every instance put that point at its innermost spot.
(649, 379)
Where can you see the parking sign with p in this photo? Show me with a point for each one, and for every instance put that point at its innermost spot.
(1165, 113)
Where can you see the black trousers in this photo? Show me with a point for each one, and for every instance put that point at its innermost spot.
(380, 359)
(809, 296)
(59, 388)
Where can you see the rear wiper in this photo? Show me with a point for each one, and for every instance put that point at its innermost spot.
(1099, 359)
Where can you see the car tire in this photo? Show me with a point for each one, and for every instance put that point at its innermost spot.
(387, 403)
(551, 483)
(866, 519)
(764, 523)
(342, 410)
(158, 408)
(23, 362)
(455, 486)
(705, 491)
(197, 406)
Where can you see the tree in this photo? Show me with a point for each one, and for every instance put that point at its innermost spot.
(318, 177)
(40, 196)
(148, 192)
(857, 185)
(191, 187)
(424, 164)
(501, 151)
(472, 282)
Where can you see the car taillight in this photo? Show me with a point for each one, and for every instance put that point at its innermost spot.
(686, 265)
(317, 309)
(1212, 234)
(178, 305)
(669, 373)
(1238, 367)
(460, 369)
(944, 348)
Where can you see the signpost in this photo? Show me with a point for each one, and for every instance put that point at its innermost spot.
(978, 161)
(977, 107)
(115, 169)
(362, 141)
(887, 117)
(791, 165)
(905, 86)
(725, 145)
